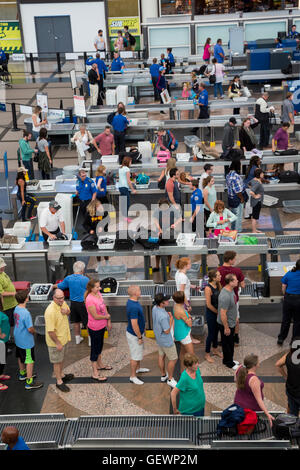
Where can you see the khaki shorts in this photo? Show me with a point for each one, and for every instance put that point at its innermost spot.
(56, 356)
(136, 349)
(170, 352)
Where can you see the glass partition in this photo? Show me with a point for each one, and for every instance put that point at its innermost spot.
(264, 30)
(177, 37)
(213, 31)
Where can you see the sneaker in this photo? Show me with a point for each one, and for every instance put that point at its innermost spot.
(68, 378)
(136, 381)
(63, 387)
(172, 383)
(142, 369)
(235, 367)
(33, 385)
(164, 378)
(24, 377)
(237, 363)
(78, 339)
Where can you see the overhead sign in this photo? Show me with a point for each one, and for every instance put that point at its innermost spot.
(79, 106)
(10, 37)
(116, 24)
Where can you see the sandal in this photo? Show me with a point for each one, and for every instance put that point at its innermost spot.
(4, 377)
(105, 368)
(3, 387)
(99, 379)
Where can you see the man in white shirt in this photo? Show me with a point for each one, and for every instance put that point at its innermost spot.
(208, 169)
(51, 221)
(262, 114)
(100, 42)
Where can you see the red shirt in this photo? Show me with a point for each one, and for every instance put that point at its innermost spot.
(224, 270)
(105, 142)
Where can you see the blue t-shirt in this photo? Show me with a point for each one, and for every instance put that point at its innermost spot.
(23, 321)
(154, 70)
(161, 323)
(20, 445)
(217, 50)
(171, 58)
(134, 311)
(76, 283)
(103, 185)
(292, 280)
(196, 199)
(120, 122)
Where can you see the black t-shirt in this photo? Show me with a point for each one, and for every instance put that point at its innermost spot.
(92, 76)
(293, 375)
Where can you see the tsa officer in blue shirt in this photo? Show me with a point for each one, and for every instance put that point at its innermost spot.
(119, 124)
(196, 201)
(117, 64)
(219, 53)
(279, 44)
(85, 190)
(154, 72)
(101, 69)
(203, 102)
(291, 303)
(293, 33)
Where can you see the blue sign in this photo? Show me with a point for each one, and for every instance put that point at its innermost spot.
(294, 87)
(2, 107)
(5, 165)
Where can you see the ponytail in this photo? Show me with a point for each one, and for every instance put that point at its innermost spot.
(90, 285)
(249, 362)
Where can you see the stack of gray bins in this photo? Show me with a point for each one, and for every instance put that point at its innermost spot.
(70, 171)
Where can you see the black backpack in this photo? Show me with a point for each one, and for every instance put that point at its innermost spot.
(202, 70)
(108, 285)
(146, 240)
(289, 177)
(123, 242)
(286, 152)
(134, 154)
(110, 118)
(89, 242)
(132, 39)
(286, 426)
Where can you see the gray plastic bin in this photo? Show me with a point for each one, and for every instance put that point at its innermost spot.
(118, 272)
(190, 141)
(39, 325)
(291, 206)
(198, 326)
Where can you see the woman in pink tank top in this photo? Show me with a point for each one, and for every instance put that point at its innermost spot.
(206, 53)
(249, 392)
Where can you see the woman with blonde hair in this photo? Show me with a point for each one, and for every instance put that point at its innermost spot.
(165, 174)
(95, 214)
(183, 283)
(211, 292)
(82, 137)
(220, 218)
(98, 321)
(190, 387)
(101, 184)
(249, 392)
(37, 122)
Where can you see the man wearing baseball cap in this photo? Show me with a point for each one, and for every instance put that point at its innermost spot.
(163, 324)
(51, 221)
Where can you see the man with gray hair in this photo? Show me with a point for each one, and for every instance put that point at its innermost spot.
(76, 283)
(262, 114)
(57, 336)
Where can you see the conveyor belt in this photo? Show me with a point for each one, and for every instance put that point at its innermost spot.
(145, 290)
(285, 240)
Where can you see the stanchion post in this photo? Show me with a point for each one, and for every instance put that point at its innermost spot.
(81, 90)
(14, 117)
(58, 62)
(61, 104)
(71, 114)
(85, 57)
(31, 63)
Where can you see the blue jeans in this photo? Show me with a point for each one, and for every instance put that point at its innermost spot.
(294, 404)
(218, 86)
(213, 329)
(28, 164)
(124, 192)
(238, 211)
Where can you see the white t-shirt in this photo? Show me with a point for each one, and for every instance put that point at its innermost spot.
(202, 177)
(181, 278)
(36, 128)
(100, 43)
(123, 183)
(218, 69)
(49, 220)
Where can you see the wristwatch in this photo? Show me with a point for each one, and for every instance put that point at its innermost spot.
(140, 337)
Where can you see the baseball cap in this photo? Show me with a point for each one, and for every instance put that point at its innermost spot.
(161, 297)
(21, 169)
(54, 205)
(233, 120)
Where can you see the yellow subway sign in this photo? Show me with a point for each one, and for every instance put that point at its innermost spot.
(116, 24)
(10, 37)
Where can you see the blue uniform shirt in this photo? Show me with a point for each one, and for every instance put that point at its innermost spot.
(76, 283)
(203, 98)
(217, 50)
(134, 310)
(85, 189)
(100, 64)
(2, 57)
(279, 45)
(103, 185)
(120, 122)
(293, 34)
(292, 280)
(196, 199)
(171, 58)
(20, 445)
(117, 65)
(154, 70)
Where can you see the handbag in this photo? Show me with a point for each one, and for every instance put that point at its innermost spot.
(212, 79)
(108, 285)
(91, 148)
(89, 242)
(162, 183)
